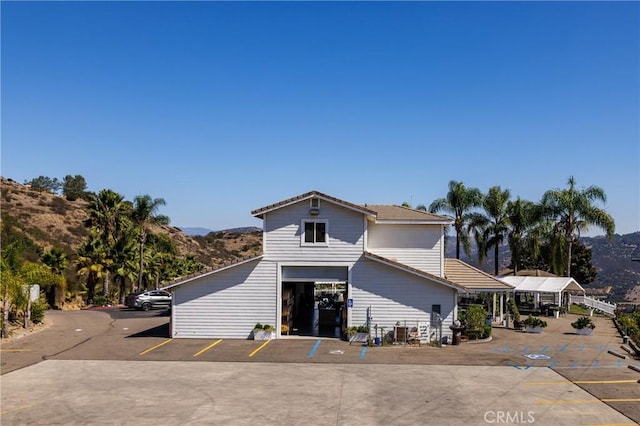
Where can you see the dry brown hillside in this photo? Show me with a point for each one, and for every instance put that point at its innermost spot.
(51, 220)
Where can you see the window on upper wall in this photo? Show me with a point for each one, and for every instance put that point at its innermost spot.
(315, 232)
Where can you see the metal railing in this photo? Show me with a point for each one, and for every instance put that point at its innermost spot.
(598, 305)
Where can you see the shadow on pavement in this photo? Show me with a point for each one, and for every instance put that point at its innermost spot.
(159, 331)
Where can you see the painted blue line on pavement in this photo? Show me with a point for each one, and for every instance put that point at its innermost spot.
(313, 350)
(601, 348)
(363, 352)
(525, 349)
(595, 363)
(619, 363)
(564, 348)
(580, 348)
(574, 364)
(544, 349)
(553, 364)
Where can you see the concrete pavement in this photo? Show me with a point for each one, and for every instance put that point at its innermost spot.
(172, 393)
(103, 368)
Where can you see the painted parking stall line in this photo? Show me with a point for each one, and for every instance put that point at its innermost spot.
(259, 348)
(363, 352)
(200, 352)
(313, 350)
(155, 347)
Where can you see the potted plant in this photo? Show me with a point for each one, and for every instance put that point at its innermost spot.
(534, 324)
(263, 332)
(583, 325)
(518, 324)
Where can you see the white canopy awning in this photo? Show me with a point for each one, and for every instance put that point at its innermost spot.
(543, 284)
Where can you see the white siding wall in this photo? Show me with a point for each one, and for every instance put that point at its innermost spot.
(228, 303)
(395, 295)
(419, 246)
(345, 232)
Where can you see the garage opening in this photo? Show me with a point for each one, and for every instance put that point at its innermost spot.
(313, 301)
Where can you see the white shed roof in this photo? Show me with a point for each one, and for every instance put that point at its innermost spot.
(543, 284)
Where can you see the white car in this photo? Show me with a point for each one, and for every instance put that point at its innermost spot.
(147, 300)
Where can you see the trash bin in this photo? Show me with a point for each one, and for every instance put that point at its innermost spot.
(625, 339)
(489, 320)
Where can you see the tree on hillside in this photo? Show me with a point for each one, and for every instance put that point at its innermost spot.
(44, 183)
(143, 215)
(573, 211)
(491, 228)
(459, 202)
(74, 187)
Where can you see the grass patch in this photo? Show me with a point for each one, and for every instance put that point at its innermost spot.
(578, 310)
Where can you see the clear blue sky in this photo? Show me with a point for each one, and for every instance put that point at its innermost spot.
(221, 108)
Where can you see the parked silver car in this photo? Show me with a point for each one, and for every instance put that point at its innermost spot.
(147, 300)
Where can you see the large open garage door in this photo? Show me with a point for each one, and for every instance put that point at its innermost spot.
(313, 300)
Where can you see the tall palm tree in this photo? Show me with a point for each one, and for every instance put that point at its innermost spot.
(459, 201)
(492, 227)
(523, 216)
(144, 215)
(108, 216)
(574, 211)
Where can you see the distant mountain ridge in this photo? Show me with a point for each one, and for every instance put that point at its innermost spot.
(193, 231)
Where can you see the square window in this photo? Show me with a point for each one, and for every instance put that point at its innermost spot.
(315, 232)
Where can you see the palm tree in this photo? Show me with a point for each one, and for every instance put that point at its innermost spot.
(108, 216)
(459, 201)
(573, 211)
(57, 261)
(523, 216)
(93, 261)
(144, 215)
(491, 228)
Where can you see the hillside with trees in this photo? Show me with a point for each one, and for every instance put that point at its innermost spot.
(97, 246)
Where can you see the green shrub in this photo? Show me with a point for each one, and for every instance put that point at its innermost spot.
(583, 322)
(533, 322)
(37, 309)
(265, 327)
(100, 300)
(474, 318)
(486, 332)
(513, 310)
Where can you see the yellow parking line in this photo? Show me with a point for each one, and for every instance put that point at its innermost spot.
(260, 347)
(585, 401)
(583, 382)
(207, 348)
(155, 347)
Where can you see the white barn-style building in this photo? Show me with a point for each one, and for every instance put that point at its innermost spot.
(387, 262)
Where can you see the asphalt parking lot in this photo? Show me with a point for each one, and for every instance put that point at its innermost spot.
(558, 376)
